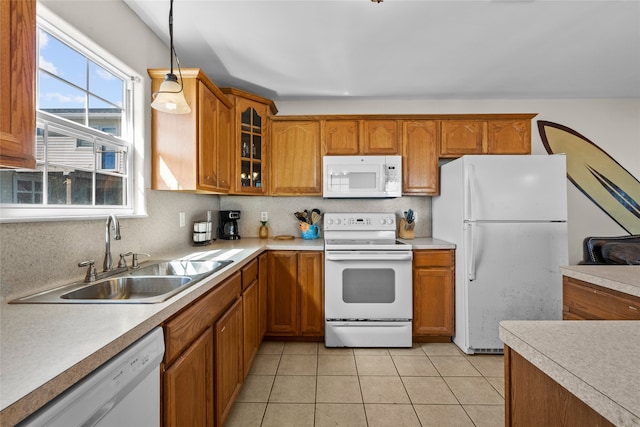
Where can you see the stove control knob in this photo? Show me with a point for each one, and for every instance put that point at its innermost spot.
(329, 221)
(338, 222)
(390, 220)
(383, 221)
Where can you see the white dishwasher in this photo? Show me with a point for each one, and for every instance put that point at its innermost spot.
(124, 392)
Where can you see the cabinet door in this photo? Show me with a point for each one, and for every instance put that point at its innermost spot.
(586, 301)
(263, 264)
(433, 292)
(207, 136)
(295, 158)
(282, 293)
(224, 158)
(251, 324)
(380, 137)
(251, 150)
(174, 165)
(460, 137)
(17, 75)
(311, 285)
(420, 157)
(509, 136)
(341, 137)
(433, 301)
(188, 386)
(229, 372)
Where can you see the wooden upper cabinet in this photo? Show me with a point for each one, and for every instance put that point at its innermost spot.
(493, 134)
(207, 147)
(250, 141)
(296, 163)
(190, 152)
(380, 137)
(17, 76)
(341, 137)
(509, 136)
(460, 137)
(360, 137)
(420, 157)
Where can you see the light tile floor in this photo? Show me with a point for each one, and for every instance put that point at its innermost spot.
(306, 384)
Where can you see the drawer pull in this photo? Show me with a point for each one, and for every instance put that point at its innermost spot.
(633, 308)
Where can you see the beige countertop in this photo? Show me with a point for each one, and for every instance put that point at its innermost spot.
(595, 360)
(622, 278)
(46, 348)
(428, 243)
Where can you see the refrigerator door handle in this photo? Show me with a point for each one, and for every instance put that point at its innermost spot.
(471, 251)
(470, 190)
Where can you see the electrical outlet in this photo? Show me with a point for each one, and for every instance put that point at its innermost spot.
(264, 216)
(183, 219)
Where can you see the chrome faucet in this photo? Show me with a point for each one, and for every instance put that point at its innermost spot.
(111, 220)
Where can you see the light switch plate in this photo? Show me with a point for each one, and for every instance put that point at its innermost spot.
(183, 219)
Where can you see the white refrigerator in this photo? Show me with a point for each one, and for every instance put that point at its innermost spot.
(507, 215)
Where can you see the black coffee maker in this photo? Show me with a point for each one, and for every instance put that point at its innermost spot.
(228, 228)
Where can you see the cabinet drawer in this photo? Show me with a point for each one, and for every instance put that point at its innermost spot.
(433, 258)
(591, 302)
(249, 273)
(187, 325)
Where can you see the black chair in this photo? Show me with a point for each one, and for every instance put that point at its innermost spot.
(611, 250)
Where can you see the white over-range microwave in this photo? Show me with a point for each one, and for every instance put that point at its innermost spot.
(362, 176)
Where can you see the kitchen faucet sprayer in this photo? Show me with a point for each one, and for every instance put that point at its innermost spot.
(111, 220)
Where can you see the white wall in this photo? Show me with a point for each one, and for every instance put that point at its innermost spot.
(613, 124)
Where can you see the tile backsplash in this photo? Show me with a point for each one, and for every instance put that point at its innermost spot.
(281, 209)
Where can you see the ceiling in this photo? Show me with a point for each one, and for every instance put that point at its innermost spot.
(453, 49)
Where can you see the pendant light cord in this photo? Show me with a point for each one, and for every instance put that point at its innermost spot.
(172, 54)
(172, 51)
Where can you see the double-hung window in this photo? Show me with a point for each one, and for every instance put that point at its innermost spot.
(83, 137)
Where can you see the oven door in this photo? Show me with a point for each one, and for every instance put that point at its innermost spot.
(368, 285)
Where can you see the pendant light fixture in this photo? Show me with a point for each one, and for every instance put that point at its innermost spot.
(170, 97)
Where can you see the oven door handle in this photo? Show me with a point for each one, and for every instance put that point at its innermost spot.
(369, 256)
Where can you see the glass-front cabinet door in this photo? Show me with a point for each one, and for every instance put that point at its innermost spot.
(251, 125)
(251, 163)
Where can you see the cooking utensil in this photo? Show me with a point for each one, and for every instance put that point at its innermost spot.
(301, 216)
(316, 217)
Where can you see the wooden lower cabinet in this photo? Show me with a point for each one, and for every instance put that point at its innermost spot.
(311, 282)
(532, 398)
(229, 371)
(295, 294)
(251, 324)
(263, 264)
(433, 294)
(188, 386)
(586, 301)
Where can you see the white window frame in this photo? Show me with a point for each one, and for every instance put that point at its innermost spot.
(136, 203)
